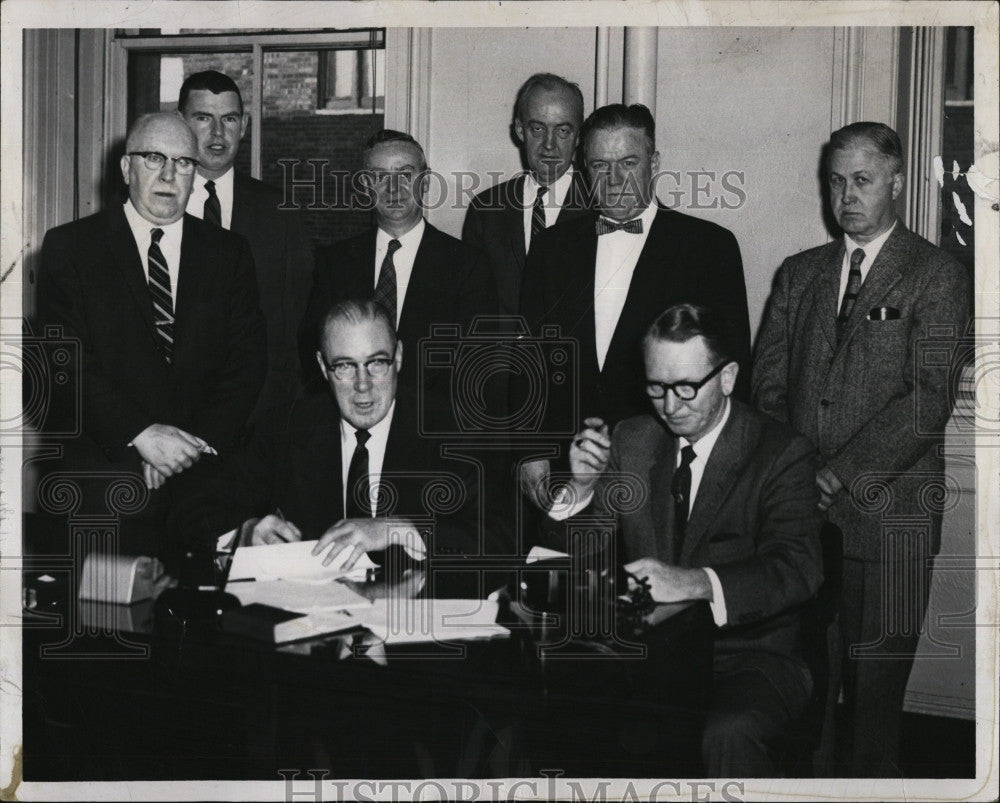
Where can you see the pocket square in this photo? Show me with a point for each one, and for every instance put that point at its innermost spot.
(883, 314)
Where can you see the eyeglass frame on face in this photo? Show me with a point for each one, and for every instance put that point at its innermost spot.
(353, 369)
(695, 387)
(180, 162)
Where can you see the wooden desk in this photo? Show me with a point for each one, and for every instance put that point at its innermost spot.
(169, 700)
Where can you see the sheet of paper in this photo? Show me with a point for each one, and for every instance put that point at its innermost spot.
(301, 596)
(293, 560)
(428, 620)
(543, 553)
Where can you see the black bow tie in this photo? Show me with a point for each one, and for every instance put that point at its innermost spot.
(605, 226)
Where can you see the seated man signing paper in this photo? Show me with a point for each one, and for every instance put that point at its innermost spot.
(726, 513)
(346, 468)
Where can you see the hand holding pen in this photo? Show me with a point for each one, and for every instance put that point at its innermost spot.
(274, 528)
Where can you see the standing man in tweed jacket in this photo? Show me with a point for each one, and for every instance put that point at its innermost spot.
(841, 355)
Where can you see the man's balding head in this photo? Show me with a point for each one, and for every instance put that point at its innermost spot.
(160, 195)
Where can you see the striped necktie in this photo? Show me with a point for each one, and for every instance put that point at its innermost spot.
(162, 298)
(538, 215)
(851, 293)
(385, 288)
(680, 487)
(213, 209)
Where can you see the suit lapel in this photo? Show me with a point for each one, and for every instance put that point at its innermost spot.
(128, 262)
(724, 467)
(882, 275)
(241, 212)
(515, 221)
(319, 446)
(826, 290)
(641, 288)
(661, 474)
(194, 250)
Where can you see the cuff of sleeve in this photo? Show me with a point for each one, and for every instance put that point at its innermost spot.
(718, 603)
(565, 504)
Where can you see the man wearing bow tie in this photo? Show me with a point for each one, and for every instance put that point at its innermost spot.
(839, 356)
(603, 277)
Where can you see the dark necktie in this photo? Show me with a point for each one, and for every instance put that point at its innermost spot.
(161, 296)
(605, 226)
(213, 209)
(385, 288)
(680, 487)
(358, 505)
(851, 293)
(538, 214)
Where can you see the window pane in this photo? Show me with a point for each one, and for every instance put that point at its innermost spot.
(312, 131)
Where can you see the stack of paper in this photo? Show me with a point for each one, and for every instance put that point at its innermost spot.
(294, 561)
(398, 621)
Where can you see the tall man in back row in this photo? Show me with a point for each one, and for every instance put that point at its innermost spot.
(213, 107)
(603, 277)
(839, 356)
(503, 220)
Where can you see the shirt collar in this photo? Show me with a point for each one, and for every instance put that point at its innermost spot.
(139, 224)
(703, 448)
(223, 184)
(409, 240)
(379, 432)
(557, 191)
(871, 249)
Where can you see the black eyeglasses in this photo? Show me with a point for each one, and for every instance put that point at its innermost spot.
(154, 160)
(376, 368)
(685, 391)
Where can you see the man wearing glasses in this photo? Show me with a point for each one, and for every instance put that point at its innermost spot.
(421, 275)
(166, 312)
(728, 516)
(346, 467)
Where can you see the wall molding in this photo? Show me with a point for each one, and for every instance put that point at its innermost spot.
(408, 82)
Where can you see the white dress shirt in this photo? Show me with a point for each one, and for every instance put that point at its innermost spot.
(402, 260)
(553, 200)
(376, 454)
(617, 255)
(703, 449)
(170, 244)
(223, 189)
(413, 543)
(871, 252)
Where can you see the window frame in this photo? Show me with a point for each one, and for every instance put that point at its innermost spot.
(123, 42)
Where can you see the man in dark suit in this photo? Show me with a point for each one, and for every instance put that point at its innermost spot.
(213, 107)
(727, 514)
(421, 275)
(502, 220)
(603, 277)
(165, 309)
(839, 357)
(346, 467)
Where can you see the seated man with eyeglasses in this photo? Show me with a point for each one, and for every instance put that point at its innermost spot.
(725, 513)
(164, 309)
(348, 467)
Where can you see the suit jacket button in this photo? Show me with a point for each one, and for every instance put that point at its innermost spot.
(825, 402)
